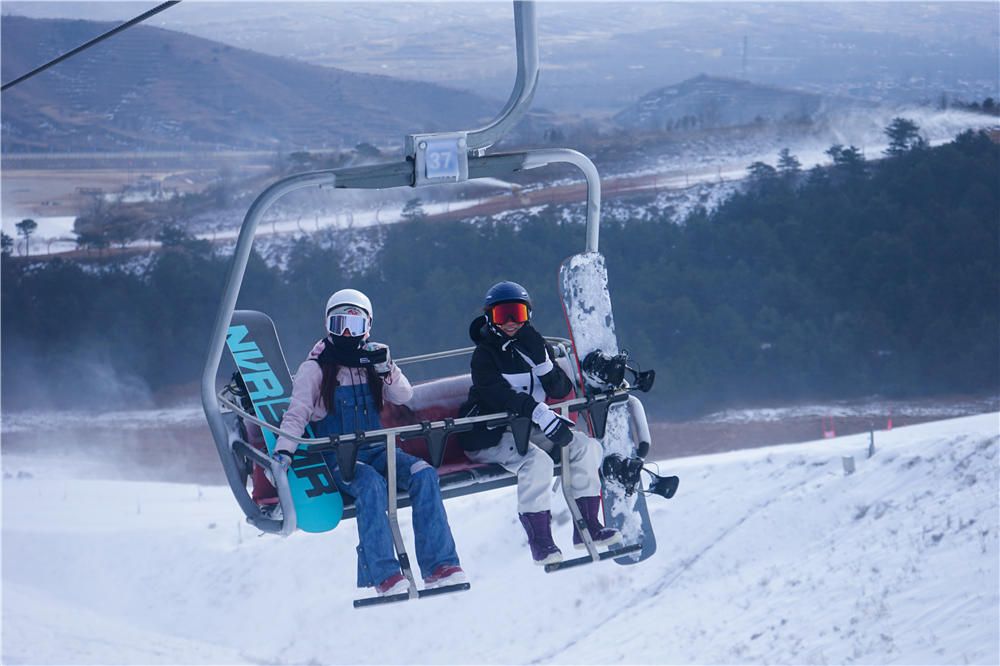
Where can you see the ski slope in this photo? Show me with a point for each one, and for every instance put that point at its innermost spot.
(765, 556)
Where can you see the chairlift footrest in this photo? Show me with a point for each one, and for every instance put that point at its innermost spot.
(405, 596)
(587, 559)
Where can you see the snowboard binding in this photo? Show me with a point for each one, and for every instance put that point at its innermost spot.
(238, 389)
(604, 371)
(627, 472)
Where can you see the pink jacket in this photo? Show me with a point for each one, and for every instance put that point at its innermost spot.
(307, 401)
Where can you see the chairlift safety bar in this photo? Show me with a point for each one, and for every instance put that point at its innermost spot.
(434, 356)
(315, 444)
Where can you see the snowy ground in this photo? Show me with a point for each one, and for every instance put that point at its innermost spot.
(766, 556)
(878, 409)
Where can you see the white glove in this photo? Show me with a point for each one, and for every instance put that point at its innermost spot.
(553, 426)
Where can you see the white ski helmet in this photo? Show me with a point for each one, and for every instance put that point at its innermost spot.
(349, 297)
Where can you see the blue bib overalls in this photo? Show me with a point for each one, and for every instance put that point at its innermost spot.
(354, 410)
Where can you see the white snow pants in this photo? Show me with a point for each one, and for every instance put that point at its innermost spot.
(534, 469)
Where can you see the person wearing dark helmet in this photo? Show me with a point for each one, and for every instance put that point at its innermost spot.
(340, 388)
(513, 370)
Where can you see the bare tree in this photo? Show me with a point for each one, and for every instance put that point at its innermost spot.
(92, 240)
(121, 231)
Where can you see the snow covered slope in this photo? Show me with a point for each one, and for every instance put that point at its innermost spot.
(766, 556)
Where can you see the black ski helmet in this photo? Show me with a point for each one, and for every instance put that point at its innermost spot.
(506, 292)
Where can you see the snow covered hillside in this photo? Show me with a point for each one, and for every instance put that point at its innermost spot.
(765, 556)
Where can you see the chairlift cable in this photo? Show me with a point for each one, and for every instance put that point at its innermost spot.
(69, 54)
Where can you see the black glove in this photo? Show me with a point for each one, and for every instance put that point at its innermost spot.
(532, 344)
(560, 435)
(378, 355)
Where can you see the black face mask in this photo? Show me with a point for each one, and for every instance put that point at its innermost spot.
(343, 350)
(347, 343)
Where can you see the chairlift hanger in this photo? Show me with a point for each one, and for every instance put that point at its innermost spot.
(400, 174)
(430, 159)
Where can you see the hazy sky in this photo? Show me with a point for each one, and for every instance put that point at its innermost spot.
(869, 49)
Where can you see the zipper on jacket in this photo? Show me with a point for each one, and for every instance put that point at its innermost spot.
(354, 393)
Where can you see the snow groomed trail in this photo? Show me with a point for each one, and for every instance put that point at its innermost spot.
(766, 556)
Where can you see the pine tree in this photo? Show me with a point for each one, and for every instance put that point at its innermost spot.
(788, 164)
(849, 160)
(759, 171)
(26, 228)
(903, 136)
(413, 210)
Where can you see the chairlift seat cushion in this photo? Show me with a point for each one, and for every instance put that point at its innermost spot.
(437, 400)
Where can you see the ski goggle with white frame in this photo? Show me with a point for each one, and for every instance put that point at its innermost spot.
(355, 325)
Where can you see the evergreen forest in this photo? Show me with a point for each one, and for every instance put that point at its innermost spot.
(855, 279)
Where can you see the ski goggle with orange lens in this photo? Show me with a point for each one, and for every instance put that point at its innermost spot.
(501, 313)
(355, 325)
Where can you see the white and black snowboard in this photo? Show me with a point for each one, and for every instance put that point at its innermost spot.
(583, 287)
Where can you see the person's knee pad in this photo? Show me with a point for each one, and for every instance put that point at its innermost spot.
(421, 473)
(421, 466)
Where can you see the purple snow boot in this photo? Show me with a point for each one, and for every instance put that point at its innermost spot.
(543, 549)
(602, 536)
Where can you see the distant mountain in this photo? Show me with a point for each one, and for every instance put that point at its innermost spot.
(598, 57)
(707, 102)
(154, 89)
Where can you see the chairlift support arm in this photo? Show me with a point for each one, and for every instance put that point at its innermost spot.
(526, 38)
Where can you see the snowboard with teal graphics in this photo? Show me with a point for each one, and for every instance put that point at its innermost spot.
(253, 341)
(583, 287)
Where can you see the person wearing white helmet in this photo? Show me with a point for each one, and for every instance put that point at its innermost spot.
(340, 388)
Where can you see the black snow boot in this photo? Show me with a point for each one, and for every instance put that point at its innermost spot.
(538, 527)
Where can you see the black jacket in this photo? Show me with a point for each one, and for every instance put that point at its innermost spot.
(503, 381)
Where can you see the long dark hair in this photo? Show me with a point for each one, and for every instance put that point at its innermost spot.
(330, 384)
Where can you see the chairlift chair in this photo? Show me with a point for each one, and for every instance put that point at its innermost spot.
(430, 420)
